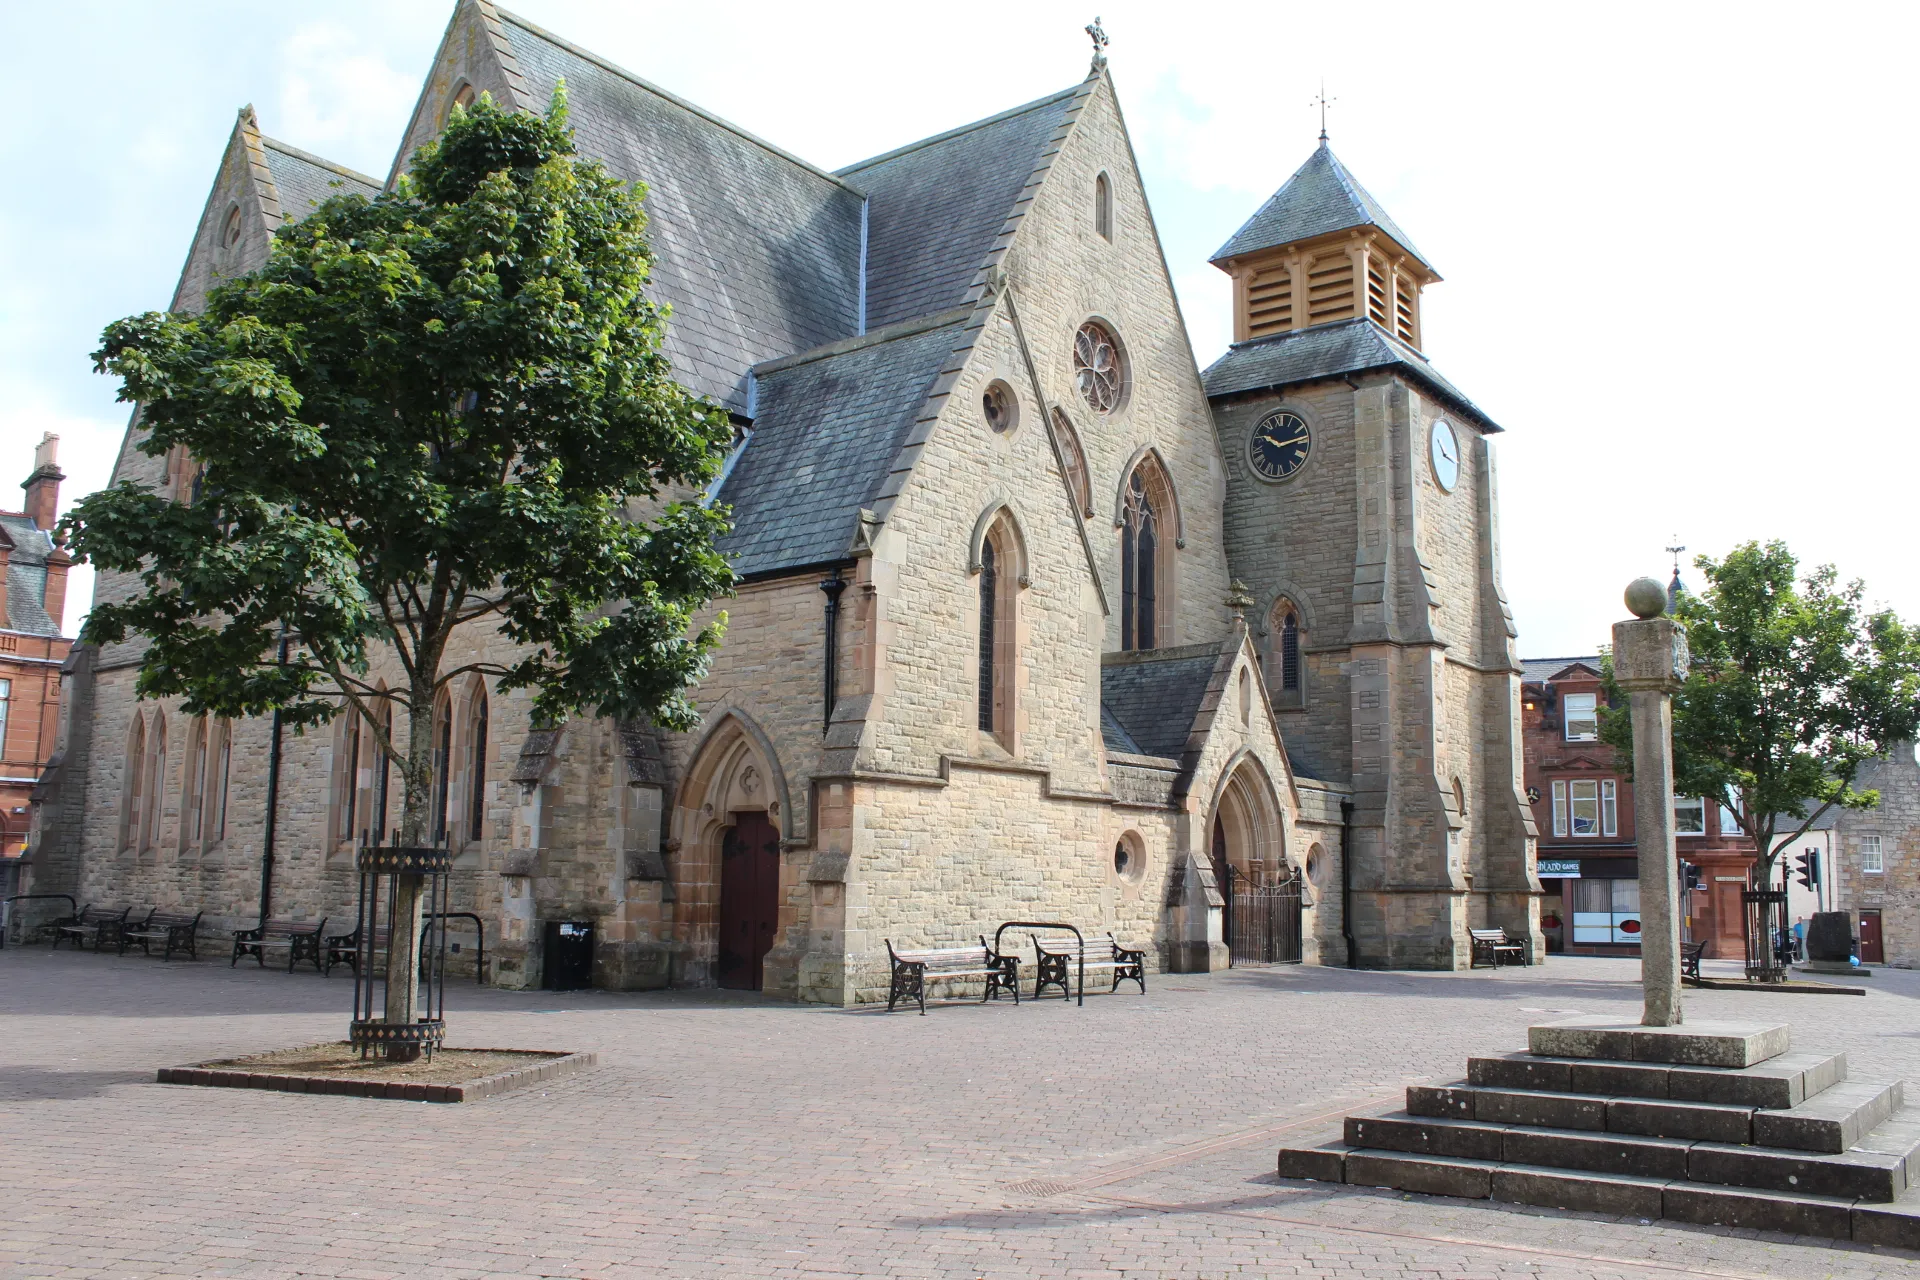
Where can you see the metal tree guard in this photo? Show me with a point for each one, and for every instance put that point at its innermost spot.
(380, 870)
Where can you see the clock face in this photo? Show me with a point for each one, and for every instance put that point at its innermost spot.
(1445, 452)
(1279, 445)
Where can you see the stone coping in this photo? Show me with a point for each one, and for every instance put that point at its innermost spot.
(1789, 987)
(1704, 1044)
(543, 1065)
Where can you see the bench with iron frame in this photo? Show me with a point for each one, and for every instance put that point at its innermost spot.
(174, 930)
(1058, 959)
(914, 969)
(1690, 953)
(302, 942)
(1493, 948)
(95, 923)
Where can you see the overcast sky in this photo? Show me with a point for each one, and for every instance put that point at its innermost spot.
(1673, 236)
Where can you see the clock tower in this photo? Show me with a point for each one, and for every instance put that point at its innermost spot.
(1361, 514)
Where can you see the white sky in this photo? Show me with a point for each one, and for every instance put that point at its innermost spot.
(1672, 235)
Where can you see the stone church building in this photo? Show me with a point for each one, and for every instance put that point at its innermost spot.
(1036, 620)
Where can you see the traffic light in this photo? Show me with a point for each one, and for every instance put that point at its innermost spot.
(1690, 876)
(1809, 860)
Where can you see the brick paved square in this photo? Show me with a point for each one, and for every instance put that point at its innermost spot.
(730, 1136)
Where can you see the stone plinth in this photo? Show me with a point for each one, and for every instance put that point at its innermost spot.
(1703, 1044)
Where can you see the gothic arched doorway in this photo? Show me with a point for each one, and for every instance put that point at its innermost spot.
(749, 899)
(1258, 886)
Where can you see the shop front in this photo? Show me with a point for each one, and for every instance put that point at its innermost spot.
(1592, 905)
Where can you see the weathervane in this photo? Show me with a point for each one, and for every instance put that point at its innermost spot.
(1323, 102)
(1675, 551)
(1099, 35)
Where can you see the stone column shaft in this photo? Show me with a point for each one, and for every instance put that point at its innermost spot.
(1652, 713)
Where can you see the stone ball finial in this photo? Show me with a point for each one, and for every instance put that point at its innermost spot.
(1646, 598)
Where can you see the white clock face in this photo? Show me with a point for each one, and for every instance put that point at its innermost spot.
(1445, 452)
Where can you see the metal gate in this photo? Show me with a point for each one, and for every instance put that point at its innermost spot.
(1262, 920)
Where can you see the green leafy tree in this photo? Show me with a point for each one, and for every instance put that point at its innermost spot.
(439, 412)
(1794, 684)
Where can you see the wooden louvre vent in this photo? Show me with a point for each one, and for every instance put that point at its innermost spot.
(1330, 287)
(1377, 292)
(1270, 301)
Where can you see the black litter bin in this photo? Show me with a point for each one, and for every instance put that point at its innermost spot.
(569, 955)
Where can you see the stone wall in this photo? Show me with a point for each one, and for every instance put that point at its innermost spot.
(1895, 891)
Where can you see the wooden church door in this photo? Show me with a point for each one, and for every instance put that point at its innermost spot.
(749, 899)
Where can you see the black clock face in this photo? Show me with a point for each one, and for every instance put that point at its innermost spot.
(1279, 445)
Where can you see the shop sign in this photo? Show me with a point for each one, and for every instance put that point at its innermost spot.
(1559, 869)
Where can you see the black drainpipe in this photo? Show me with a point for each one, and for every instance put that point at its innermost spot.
(273, 802)
(830, 685)
(1346, 883)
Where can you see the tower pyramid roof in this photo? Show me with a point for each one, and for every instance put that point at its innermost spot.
(1320, 198)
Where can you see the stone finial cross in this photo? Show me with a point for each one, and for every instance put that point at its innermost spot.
(1098, 34)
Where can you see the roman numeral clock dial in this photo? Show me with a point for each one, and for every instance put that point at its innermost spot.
(1279, 445)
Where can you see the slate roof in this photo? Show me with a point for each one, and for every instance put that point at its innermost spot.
(757, 252)
(938, 205)
(1153, 697)
(303, 179)
(1326, 351)
(1538, 670)
(27, 576)
(825, 433)
(1320, 198)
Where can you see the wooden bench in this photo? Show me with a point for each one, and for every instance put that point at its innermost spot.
(95, 924)
(344, 948)
(1494, 948)
(302, 942)
(1690, 953)
(1061, 957)
(913, 970)
(175, 931)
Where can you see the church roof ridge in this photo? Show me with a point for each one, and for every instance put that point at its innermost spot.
(1320, 198)
(861, 341)
(935, 139)
(587, 55)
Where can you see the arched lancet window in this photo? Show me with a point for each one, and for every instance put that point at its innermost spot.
(1103, 207)
(1075, 460)
(193, 786)
(477, 762)
(989, 600)
(346, 803)
(134, 810)
(442, 769)
(153, 786)
(220, 762)
(1141, 551)
(1246, 697)
(1287, 673)
(1002, 571)
(230, 233)
(462, 98)
(382, 770)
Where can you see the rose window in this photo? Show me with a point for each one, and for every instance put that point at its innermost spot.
(1096, 367)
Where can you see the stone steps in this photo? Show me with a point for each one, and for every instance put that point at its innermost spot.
(1880, 1172)
(1713, 1123)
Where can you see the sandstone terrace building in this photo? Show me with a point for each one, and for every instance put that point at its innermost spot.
(981, 483)
(33, 569)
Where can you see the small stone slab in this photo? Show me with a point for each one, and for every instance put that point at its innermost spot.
(546, 1066)
(1895, 1225)
(1623, 1154)
(1428, 1175)
(1700, 1121)
(1425, 1135)
(1803, 1215)
(1617, 1194)
(1854, 1175)
(1324, 1163)
(1704, 1044)
(1832, 1120)
(1777, 1083)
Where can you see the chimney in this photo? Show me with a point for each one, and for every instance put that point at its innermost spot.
(6, 555)
(43, 486)
(55, 599)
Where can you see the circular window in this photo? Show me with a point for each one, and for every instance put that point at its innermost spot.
(1001, 407)
(1098, 369)
(1130, 858)
(1316, 861)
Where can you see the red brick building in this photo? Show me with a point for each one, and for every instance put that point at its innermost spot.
(1583, 805)
(34, 570)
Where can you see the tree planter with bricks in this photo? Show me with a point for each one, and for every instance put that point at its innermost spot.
(453, 1075)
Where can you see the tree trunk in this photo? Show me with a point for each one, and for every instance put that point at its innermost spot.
(403, 940)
